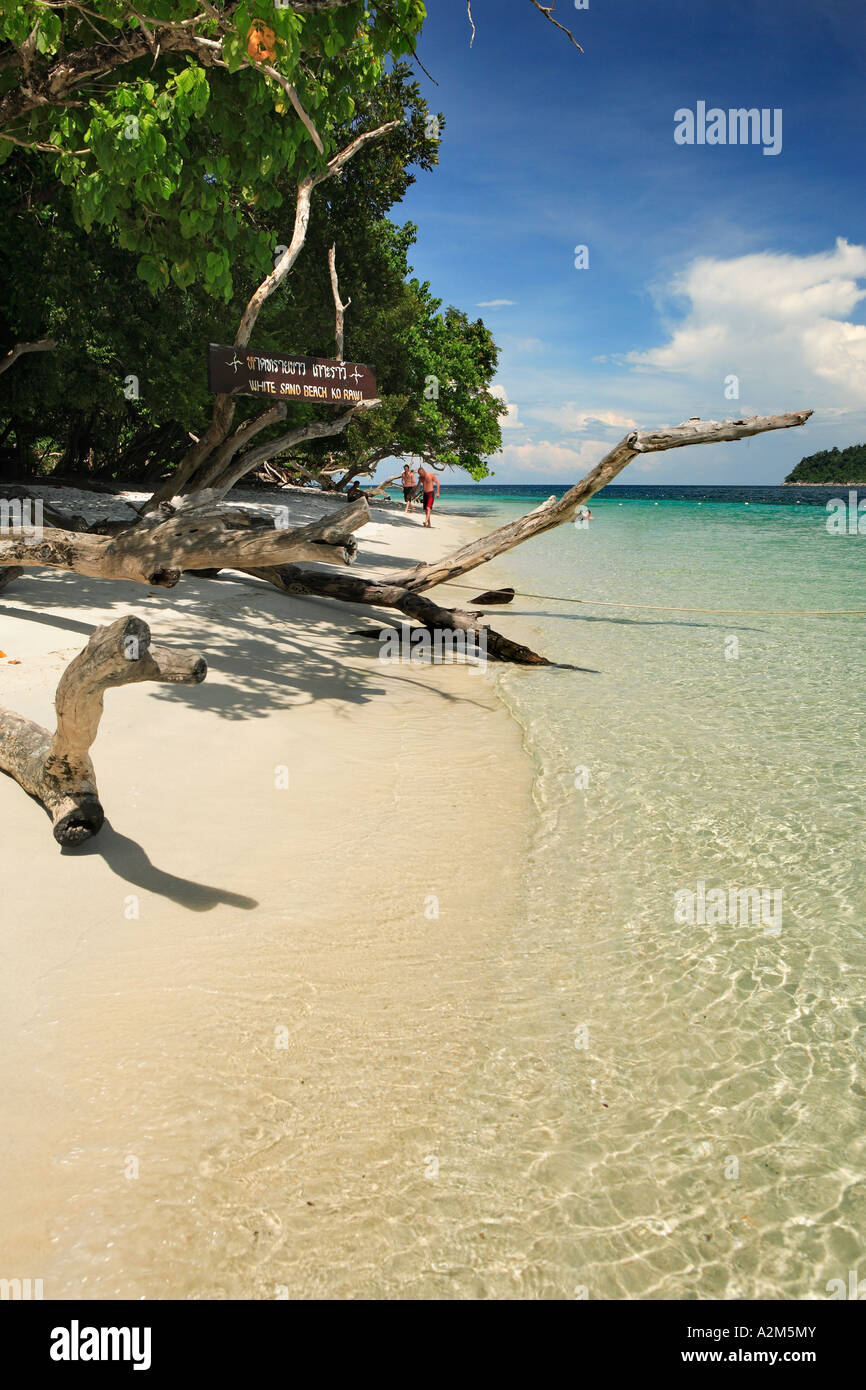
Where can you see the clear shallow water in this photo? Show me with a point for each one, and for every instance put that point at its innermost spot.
(704, 1138)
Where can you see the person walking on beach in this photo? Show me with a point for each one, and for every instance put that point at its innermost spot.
(429, 481)
(410, 483)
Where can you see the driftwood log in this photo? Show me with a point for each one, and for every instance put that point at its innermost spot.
(291, 579)
(157, 549)
(56, 769)
(404, 590)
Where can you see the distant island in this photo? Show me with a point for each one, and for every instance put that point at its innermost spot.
(833, 467)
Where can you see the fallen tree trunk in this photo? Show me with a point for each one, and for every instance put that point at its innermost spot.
(557, 510)
(56, 769)
(198, 536)
(405, 589)
(290, 579)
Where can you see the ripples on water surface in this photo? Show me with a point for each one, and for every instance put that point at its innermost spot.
(708, 1142)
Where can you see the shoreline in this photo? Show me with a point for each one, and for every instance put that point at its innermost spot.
(231, 1020)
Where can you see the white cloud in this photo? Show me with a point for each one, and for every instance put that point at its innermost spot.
(509, 421)
(569, 417)
(779, 322)
(552, 461)
(495, 303)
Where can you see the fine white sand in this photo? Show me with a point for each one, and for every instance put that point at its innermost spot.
(239, 1007)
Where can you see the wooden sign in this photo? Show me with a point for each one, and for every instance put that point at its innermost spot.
(237, 371)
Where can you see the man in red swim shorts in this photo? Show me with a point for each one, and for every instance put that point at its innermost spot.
(429, 481)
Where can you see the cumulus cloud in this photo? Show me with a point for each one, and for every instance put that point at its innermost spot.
(781, 323)
(495, 303)
(570, 417)
(509, 421)
(551, 461)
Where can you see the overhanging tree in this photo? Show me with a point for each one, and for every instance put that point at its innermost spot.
(168, 126)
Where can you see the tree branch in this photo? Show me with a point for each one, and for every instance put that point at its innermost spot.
(224, 407)
(317, 429)
(296, 102)
(555, 511)
(43, 345)
(65, 75)
(546, 10)
(339, 307)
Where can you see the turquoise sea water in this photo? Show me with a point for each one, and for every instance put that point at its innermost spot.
(686, 1097)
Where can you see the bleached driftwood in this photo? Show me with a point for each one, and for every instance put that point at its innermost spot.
(56, 769)
(557, 510)
(406, 588)
(404, 591)
(159, 548)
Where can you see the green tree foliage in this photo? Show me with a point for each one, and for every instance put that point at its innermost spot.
(436, 398)
(832, 466)
(166, 130)
(57, 280)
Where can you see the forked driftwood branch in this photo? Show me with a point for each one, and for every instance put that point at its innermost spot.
(56, 769)
(404, 591)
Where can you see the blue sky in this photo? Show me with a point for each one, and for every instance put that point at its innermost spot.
(705, 262)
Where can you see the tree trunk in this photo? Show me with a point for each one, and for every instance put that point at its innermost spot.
(197, 537)
(290, 579)
(224, 405)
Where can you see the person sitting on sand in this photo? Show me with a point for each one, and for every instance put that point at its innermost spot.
(355, 491)
(409, 483)
(429, 481)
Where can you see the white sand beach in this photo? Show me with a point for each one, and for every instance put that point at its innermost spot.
(233, 1025)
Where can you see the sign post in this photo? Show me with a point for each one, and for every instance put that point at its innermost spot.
(237, 371)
